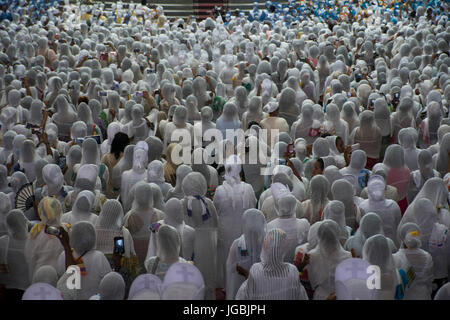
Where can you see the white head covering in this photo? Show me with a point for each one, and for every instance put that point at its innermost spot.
(53, 178)
(351, 280)
(112, 287)
(183, 281)
(42, 291)
(324, 259)
(377, 252)
(443, 293)
(145, 287)
(335, 210)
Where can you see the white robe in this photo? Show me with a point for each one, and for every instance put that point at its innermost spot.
(296, 231)
(230, 220)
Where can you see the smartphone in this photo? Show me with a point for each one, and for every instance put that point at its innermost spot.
(119, 246)
(103, 93)
(54, 231)
(139, 94)
(96, 137)
(62, 162)
(79, 140)
(355, 146)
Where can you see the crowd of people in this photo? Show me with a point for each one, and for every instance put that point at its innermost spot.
(294, 152)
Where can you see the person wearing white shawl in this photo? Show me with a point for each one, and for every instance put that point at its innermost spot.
(145, 287)
(442, 158)
(42, 291)
(73, 157)
(335, 210)
(7, 145)
(387, 210)
(351, 280)
(140, 219)
(229, 119)
(177, 192)
(443, 129)
(272, 279)
(5, 207)
(245, 250)
(410, 257)
(429, 127)
(81, 209)
(155, 174)
(434, 238)
(268, 202)
(295, 229)
(178, 128)
(108, 226)
(407, 138)
(231, 200)
(324, 258)
(403, 117)
(254, 113)
(420, 176)
(46, 274)
(86, 179)
(338, 151)
(113, 128)
(17, 236)
(167, 253)
(64, 117)
(42, 248)
(173, 216)
(112, 287)
(306, 127)
(356, 169)
(369, 225)
(376, 251)
(200, 214)
(350, 115)
(83, 239)
(135, 174)
(313, 207)
(91, 155)
(200, 127)
(54, 182)
(368, 135)
(334, 124)
(125, 163)
(443, 293)
(183, 281)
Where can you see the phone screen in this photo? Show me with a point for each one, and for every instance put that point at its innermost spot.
(97, 138)
(62, 162)
(119, 246)
(52, 230)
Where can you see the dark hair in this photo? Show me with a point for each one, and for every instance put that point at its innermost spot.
(83, 99)
(251, 123)
(338, 138)
(322, 164)
(120, 141)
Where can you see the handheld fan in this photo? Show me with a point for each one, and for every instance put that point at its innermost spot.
(25, 197)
